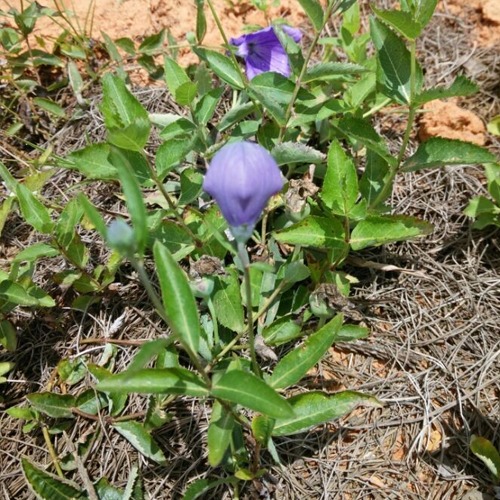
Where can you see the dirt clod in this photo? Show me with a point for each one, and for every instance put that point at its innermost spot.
(448, 119)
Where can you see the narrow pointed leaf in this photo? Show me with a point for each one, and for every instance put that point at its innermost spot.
(425, 9)
(461, 87)
(438, 151)
(219, 433)
(228, 302)
(287, 153)
(178, 299)
(314, 231)
(52, 404)
(379, 230)
(133, 196)
(402, 22)
(314, 12)
(47, 486)
(141, 440)
(291, 368)
(223, 67)
(332, 70)
(314, 408)
(394, 68)
(484, 449)
(247, 390)
(34, 212)
(340, 187)
(155, 381)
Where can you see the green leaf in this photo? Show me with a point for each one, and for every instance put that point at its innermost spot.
(170, 154)
(141, 440)
(34, 252)
(348, 333)
(125, 118)
(186, 93)
(178, 299)
(493, 126)
(228, 303)
(461, 87)
(314, 12)
(176, 77)
(401, 21)
(52, 404)
(291, 368)
(492, 171)
(274, 91)
(154, 381)
(90, 402)
(234, 115)
(362, 131)
(191, 185)
(438, 151)
(379, 230)
(33, 211)
(262, 427)
(424, 11)
(394, 68)
(133, 196)
(201, 21)
(484, 449)
(314, 408)
(92, 161)
(314, 231)
(201, 486)
(287, 153)
(340, 187)
(47, 486)
(8, 336)
(206, 106)
(16, 294)
(374, 178)
(50, 106)
(281, 331)
(152, 44)
(93, 215)
(246, 389)
(223, 67)
(68, 220)
(332, 70)
(219, 433)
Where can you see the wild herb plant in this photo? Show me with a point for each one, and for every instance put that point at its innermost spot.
(251, 300)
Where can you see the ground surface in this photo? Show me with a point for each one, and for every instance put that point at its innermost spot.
(433, 356)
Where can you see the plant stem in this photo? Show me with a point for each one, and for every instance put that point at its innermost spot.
(226, 41)
(243, 255)
(52, 452)
(329, 10)
(172, 206)
(409, 126)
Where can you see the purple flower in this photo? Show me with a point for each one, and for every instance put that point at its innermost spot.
(242, 177)
(262, 51)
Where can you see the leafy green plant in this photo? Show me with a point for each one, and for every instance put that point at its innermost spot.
(485, 210)
(250, 312)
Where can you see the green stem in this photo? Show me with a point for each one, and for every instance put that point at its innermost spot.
(172, 206)
(243, 255)
(211, 310)
(226, 41)
(52, 452)
(409, 126)
(329, 10)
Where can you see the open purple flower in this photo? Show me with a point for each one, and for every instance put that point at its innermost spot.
(262, 51)
(242, 177)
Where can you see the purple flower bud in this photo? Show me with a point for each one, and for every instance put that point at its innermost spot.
(262, 51)
(242, 177)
